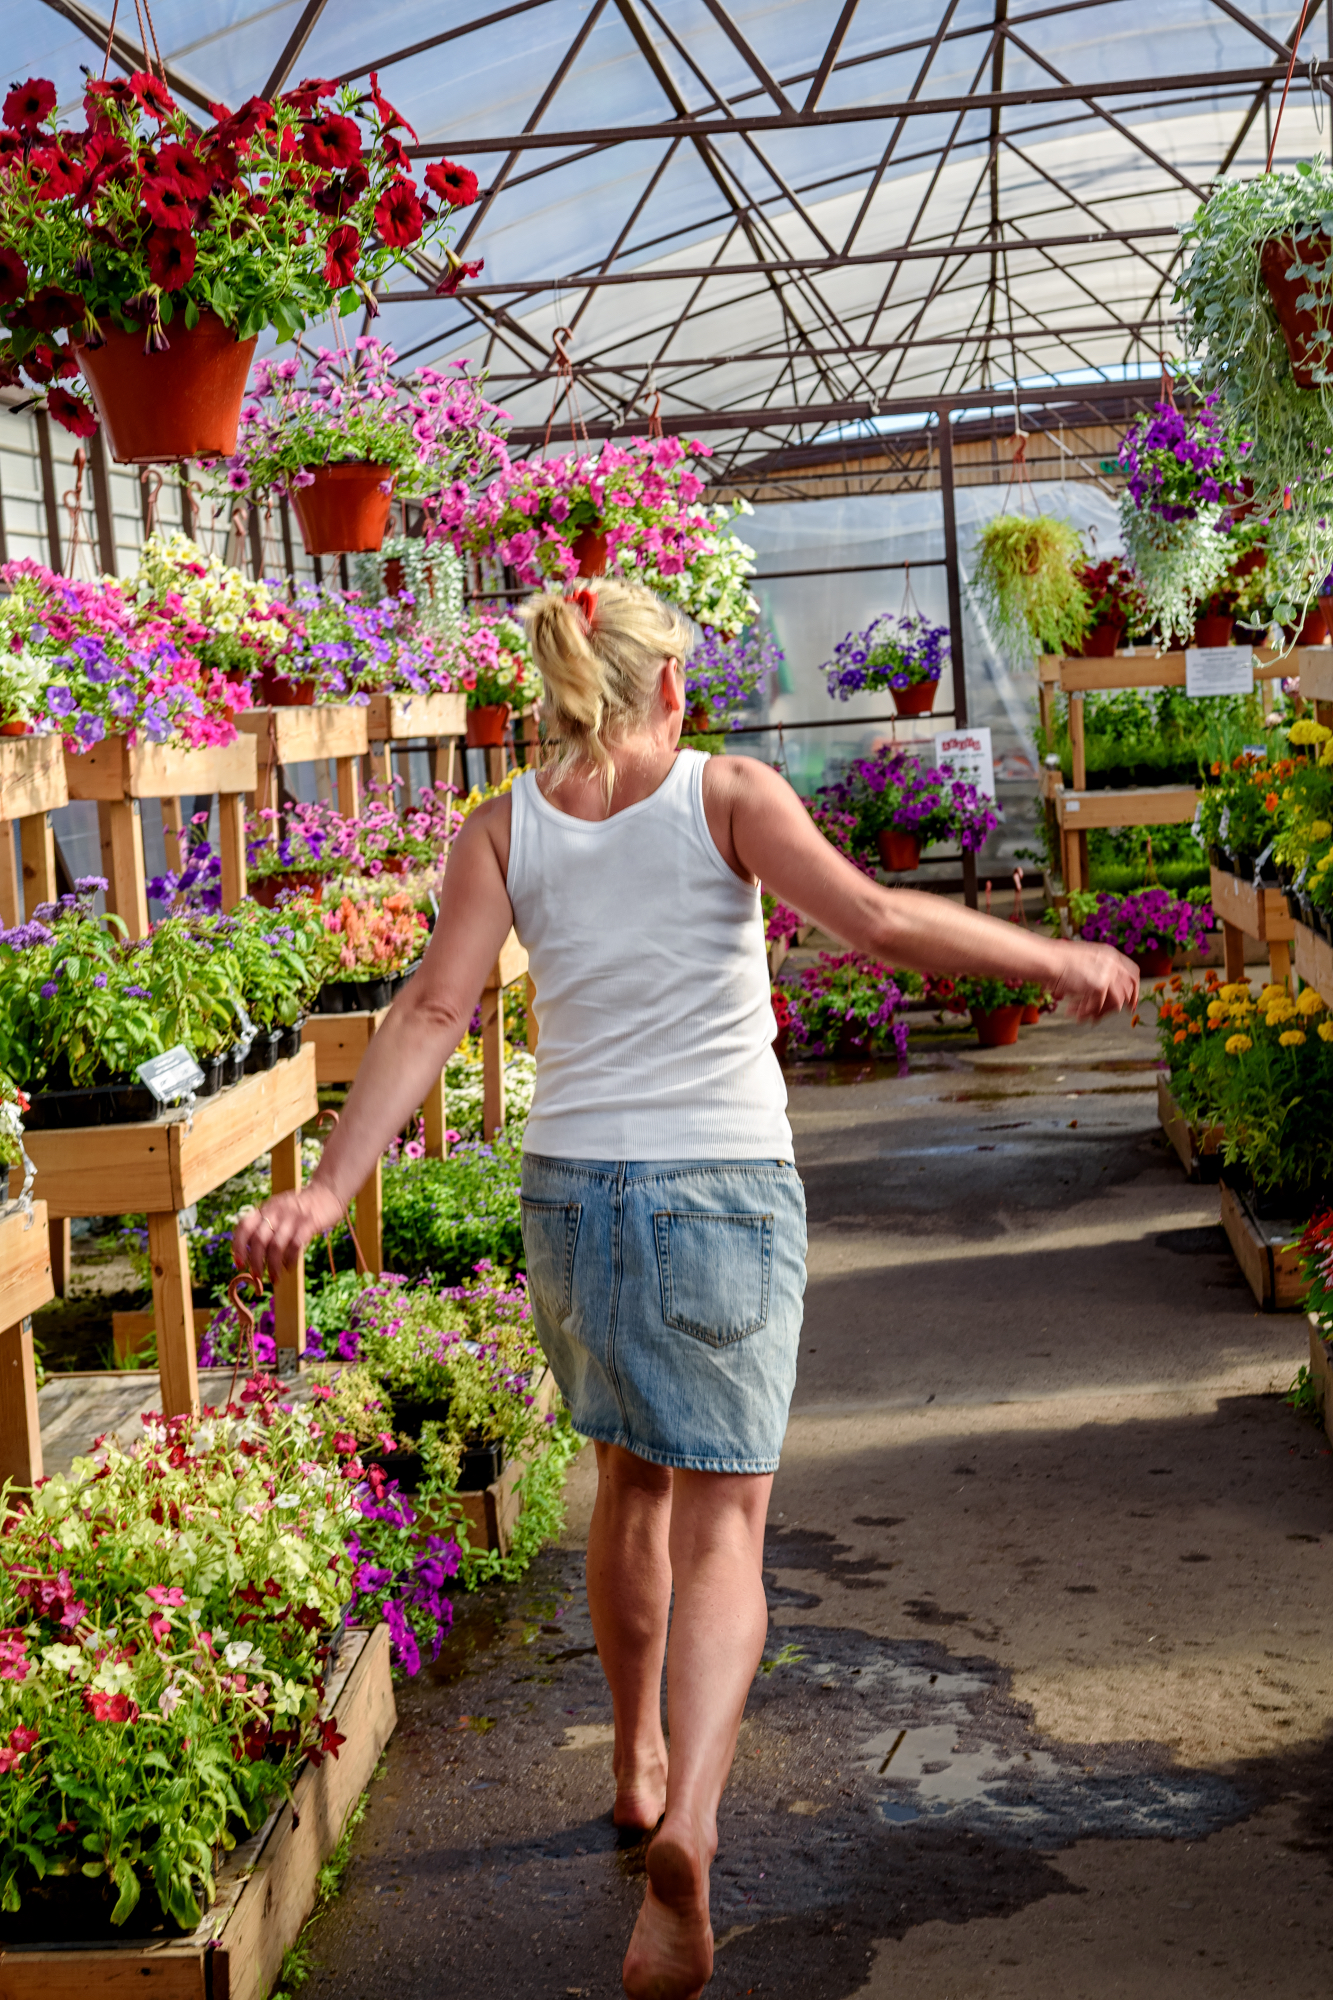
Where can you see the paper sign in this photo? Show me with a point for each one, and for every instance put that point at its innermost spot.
(967, 753)
(172, 1076)
(1218, 670)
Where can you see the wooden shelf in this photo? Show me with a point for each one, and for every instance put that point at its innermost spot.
(1146, 805)
(394, 718)
(1244, 912)
(1200, 1154)
(116, 769)
(25, 1286)
(1144, 668)
(299, 735)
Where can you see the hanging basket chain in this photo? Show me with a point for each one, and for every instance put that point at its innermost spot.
(565, 386)
(1291, 70)
(143, 13)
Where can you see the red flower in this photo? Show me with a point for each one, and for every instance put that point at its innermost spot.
(46, 363)
(183, 164)
(171, 254)
(306, 95)
(388, 116)
(102, 156)
(336, 196)
(154, 96)
(71, 411)
(454, 184)
(110, 1707)
(51, 308)
(233, 126)
(108, 90)
(11, 146)
(340, 255)
(167, 202)
(61, 176)
(13, 277)
(398, 217)
(455, 275)
(22, 1739)
(331, 142)
(395, 153)
(29, 103)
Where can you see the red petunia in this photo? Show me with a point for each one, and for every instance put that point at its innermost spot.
(11, 146)
(388, 116)
(395, 153)
(398, 217)
(62, 177)
(454, 184)
(331, 143)
(185, 166)
(336, 196)
(75, 415)
(234, 126)
(154, 96)
(167, 202)
(13, 277)
(105, 154)
(46, 363)
(171, 255)
(340, 255)
(29, 103)
(455, 275)
(52, 308)
(109, 90)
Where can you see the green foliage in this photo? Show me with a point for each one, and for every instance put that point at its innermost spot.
(1301, 1395)
(1024, 577)
(540, 1520)
(442, 1217)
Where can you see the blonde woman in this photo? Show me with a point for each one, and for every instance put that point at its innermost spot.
(663, 1218)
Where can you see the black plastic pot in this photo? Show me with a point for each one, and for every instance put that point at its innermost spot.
(353, 996)
(264, 1050)
(212, 1082)
(289, 1040)
(400, 979)
(410, 1414)
(233, 1066)
(100, 1104)
(479, 1465)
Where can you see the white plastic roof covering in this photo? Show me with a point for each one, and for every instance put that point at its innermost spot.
(823, 341)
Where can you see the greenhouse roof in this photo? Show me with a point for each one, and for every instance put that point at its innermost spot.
(781, 219)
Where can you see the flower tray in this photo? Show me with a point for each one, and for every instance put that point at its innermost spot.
(124, 1102)
(116, 769)
(479, 1468)
(1199, 1153)
(1272, 1270)
(395, 717)
(265, 1889)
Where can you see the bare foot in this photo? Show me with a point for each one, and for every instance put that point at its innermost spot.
(670, 1955)
(640, 1795)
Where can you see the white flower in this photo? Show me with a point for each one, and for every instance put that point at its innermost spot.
(241, 1653)
(170, 1697)
(66, 1660)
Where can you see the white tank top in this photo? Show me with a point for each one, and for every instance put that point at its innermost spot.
(654, 1022)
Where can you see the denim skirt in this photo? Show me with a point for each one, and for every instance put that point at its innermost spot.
(667, 1296)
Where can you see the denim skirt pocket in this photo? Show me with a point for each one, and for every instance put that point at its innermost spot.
(714, 1272)
(550, 1238)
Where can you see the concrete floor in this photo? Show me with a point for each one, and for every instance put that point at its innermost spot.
(1046, 1705)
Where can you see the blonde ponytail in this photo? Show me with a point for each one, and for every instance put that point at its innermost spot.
(599, 650)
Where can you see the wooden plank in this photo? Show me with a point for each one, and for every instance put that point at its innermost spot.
(289, 1291)
(1077, 744)
(339, 1042)
(492, 1062)
(20, 1427)
(173, 1313)
(1271, 1270)
(37, 851)
(113, 769)
(509, 966)
(1321, 1374)
(490, 1515)
(395, 716)
(231, 1130)
(132, 1330)
(174, 843)
(1147, 805)
(58, 1236)
(32, 776)
(11, 879)
(1148, 669)
(1199, 1155)
(25, 1264)
(300, 735)
(1261, 913)
(435, 1115)
(104, 1169)
(368, 1222)
(112, 1975)
(1314, 961)
(129, 886)
(348, 780)
(1315, 669)
(231, 847)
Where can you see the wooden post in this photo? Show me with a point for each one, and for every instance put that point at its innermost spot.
(173, 834)
(1233, 952)
(493, 1061)
(11, 901)
(122, 860)
(495, 764)
(530, 1012)
(20, 1432)
(173, 1315)
(58, 1228)
(381, 764)
(231, 840)
(37, 844)
(369, 1220)
(436, 1113)
(289, 1292)
(1077, 749)
(450, 761)
(1279, 962)
(349, 786)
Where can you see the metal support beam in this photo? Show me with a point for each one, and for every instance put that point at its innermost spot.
(956, 657)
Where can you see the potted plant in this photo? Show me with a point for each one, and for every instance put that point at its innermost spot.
(997, 1007)
(300, 858)
(162, 252)
(848, 1005)
(1179, 461)
(343, 435)
(425, 577)
(368, 946)
(901, 804)
(22, 674)
(13, 1110)
(236, 629)
(494, 662)
(1149, 926)
(902, 652)
(1115, 605)
(352, 650)
(722, 674)
(1024, 577)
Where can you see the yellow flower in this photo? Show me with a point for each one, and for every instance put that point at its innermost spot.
(1237, 1045)
(1280, 1009)
(1310, 1002)
(1216, 1009)
(1239, 990)
(1294, 1038)
(1325, 1031)
(1321, 829)
(1271, 993)
(1307, 730)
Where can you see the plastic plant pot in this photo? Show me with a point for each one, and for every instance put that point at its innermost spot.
(289, 1040)
(353, 996)
(182, 403)
(486, 726)
(1153, 964)
(997, 1027)
(98, 1104)
(1214, 630)
(14, 727)
(267, 888)
(1314, 632)
(1102, 641)
(589, 551)
(918, 699)
(1300, 326)
(233, 1067)
(479, 1466)
(345, 511)
(212, 1082)
(1031, 1015)
(900, 852)
(264, 1051)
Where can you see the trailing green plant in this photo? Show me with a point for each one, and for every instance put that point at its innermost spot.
(1024, 577)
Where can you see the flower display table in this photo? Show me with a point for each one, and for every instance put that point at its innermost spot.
(25, 1285)
(1200, 1153)
(267, 1885)
(407, 718)
(1078, 811)
(118, 774)
(32, 786)
(336, 730)
(163, 1166)
(1247, 911)
(1272, 1271)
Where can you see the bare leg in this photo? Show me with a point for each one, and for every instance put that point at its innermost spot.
(629, 1594)
(717, 1639)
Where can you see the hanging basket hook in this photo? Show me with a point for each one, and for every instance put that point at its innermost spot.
(247, 1319)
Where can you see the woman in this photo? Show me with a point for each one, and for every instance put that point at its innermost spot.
(663, 1220)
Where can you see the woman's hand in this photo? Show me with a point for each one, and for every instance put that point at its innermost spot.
(1095, 979)
(273, 1237)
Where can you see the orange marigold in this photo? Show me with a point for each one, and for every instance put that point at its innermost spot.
(1270, 803)
(1179, 1035)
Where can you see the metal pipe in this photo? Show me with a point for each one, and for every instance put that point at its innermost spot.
(956, 653)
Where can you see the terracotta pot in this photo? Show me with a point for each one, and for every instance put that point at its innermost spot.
(898, 851)
(590, 549)
(1214, 630)
(345, 512)
(15, 727)
(1326, 606)
(699, 717)
(1031, 1014)
(396, 864)
(266, 888)
(1300, 326)
(182, 403)
(394, 578)
(1314, 632)
(486, 726)
(1101, 641)
(279, 692)
(998, 1027)
(918, 699)
(1153, 964)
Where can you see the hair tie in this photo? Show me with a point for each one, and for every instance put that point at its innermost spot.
(586, 600)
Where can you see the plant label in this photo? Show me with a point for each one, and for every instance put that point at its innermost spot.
(1218, 670)
(171, 1076)
(967, 754)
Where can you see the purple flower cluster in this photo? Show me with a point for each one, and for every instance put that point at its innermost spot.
(1178, 463)
(894, 651)
(724, 673)
(896, 791)
(1148, 920)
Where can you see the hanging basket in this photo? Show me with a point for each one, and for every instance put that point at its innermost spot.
(182, 403)
(997, 1028)
(589, 549)
(345, 512)
(899, 852)
(918, 699)
(1300, 326)
(486, 726)
(1213, 630)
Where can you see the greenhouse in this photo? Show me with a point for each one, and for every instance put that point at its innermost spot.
(666, 787)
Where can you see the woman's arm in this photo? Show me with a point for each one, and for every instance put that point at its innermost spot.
(773, 838)
(421, 1031)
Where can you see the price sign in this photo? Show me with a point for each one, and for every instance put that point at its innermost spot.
(171, 1076)
(967, 754)
(1218, 670)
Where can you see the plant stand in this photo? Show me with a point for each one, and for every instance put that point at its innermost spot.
(266, 1888)
(1257, 913)
(1200, 1153)
(32, 787)
(1273, 1271)
(117, 775)
(163, 1166)
(25, 1285)
(397, 719)
(282, 736)
(1078, 811)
